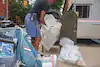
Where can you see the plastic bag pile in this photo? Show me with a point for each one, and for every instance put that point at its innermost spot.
(70, 52)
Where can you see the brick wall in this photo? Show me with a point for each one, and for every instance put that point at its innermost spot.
(3, 8)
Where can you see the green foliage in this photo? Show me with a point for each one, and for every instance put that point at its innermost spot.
(18, 9)
(57, 5)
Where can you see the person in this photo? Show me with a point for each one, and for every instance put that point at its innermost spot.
(35, 18)
(66, 6)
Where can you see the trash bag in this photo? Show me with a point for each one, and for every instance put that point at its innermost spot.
(26, 53)
(55, 13)
(7, 47)
(7, 54)
(70, 52)
(8, 34)
(64, 42)
(50, 32)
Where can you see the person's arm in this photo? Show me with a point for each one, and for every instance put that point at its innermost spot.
(44, 9)
(67, 5)
(42, 17)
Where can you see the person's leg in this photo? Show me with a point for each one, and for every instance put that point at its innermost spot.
(33, 42)
(37, 38)
(33, 29)
(36, 42)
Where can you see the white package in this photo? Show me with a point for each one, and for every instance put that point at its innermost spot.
(70, 52)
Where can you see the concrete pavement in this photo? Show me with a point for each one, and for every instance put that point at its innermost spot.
(91, 56)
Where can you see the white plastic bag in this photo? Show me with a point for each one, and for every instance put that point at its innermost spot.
(50, 20)
(64, 42)
(70, 52)
(69, 55)
(50, 32)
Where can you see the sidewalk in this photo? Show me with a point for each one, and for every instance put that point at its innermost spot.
(90, 54)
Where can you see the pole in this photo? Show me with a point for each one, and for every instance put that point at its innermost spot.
(7, 9)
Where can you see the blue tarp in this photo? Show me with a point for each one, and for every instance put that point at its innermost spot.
(27, 57)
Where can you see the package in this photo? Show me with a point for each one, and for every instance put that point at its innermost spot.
(70, 52)
(49, 61)
(6, 49)
(7, 61)
(8, 34)
(7, 55)
(50, 32)
(64, 42)
(50, 20)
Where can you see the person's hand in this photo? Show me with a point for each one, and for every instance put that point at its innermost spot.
(42, 17)
(42, 21)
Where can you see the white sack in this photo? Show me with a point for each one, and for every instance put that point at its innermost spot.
(50, 20)
(64, 42)
(70, 53)
(50, 31)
